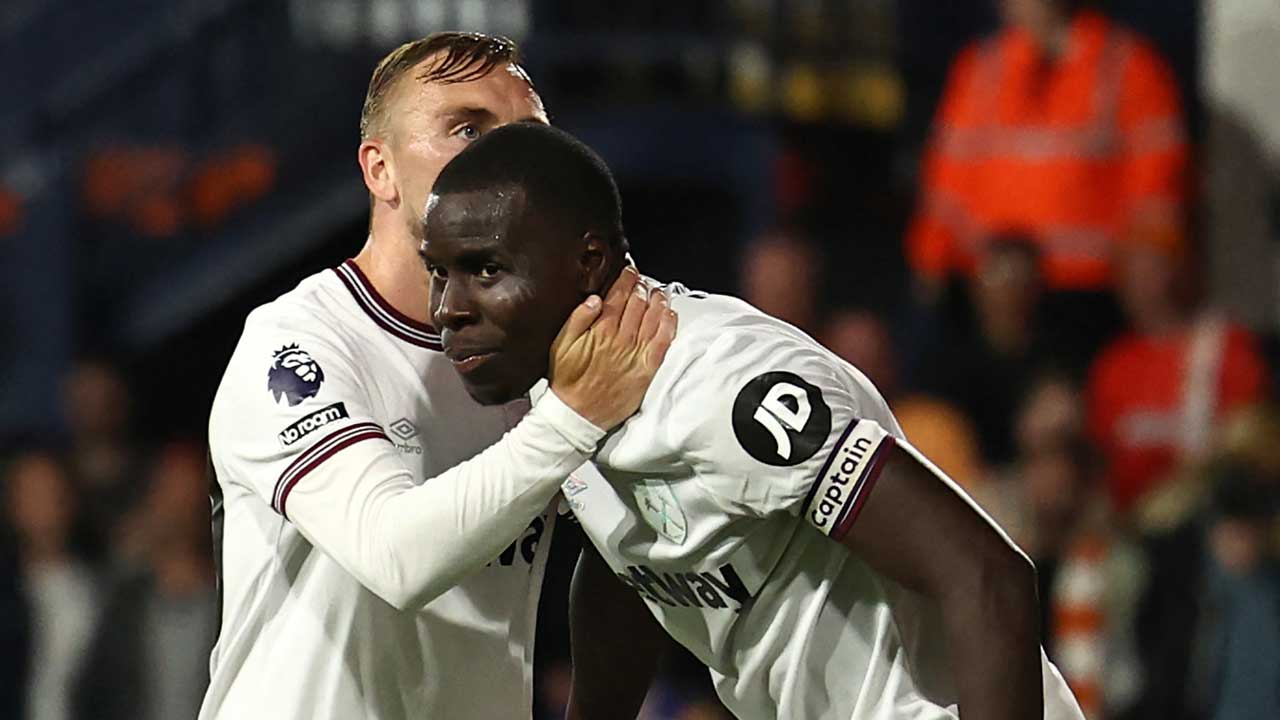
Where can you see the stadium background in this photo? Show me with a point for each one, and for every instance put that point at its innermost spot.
(167, 166)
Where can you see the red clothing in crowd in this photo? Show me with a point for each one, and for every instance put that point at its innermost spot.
(1153, 400)
(1076, 152)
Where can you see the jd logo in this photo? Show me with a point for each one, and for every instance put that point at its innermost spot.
(780, 419)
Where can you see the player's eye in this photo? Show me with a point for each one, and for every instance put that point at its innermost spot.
(436, 272)
(489, 271)
(468, 132)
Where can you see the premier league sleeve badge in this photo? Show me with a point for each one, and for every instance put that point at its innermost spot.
(294, 375)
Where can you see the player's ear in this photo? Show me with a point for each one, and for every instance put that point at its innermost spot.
(378, 170)
(593, 264)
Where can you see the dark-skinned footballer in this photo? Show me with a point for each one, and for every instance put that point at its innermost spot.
(763, 507)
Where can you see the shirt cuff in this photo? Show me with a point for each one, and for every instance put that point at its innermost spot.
(579, 431)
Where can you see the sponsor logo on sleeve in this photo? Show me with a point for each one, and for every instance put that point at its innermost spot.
(294, 375)
(781, 419)
(847, 477)
(312, 422)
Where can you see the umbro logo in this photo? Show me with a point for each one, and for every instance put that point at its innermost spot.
(404, 429)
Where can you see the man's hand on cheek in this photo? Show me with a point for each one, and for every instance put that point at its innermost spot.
(608, 352)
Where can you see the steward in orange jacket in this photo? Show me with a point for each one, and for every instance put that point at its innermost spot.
(1078, 144)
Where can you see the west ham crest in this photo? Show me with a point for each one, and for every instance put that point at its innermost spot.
(659, 508)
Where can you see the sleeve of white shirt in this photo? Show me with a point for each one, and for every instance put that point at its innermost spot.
(772, 422)
(292, 423)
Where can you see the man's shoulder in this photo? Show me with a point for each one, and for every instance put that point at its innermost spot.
(704, 314)
(316, 312)
(728, 355)
(719, 331)
(314, 298)
(305, 326)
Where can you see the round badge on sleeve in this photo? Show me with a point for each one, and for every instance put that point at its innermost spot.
(781, 419)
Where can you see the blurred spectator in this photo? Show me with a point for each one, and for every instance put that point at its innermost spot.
(150, 659)
(944, 434)
(104, 459)
(1209, 628)
(1052, 410)
(862, 339)
(1155, 394)
(987, 373)
(1062, 127)
(1250, 435)
(1240, 620)
(781, 274)
(937, 428)
(60, 589)
(1051, 504)
(1239, 159)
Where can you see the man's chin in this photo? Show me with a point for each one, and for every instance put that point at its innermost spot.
(491, 393)
(487, 394)
(495, 393)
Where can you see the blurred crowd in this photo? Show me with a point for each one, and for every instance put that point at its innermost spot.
(1059, 359)
(107, 590)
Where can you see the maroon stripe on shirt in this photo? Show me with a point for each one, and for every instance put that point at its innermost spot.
(372, 434)
(303, 463)
(382, 303)
(381, 312)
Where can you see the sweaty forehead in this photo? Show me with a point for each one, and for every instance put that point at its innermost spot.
(473, 215)
(504, 91)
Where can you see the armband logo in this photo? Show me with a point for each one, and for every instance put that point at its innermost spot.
(781, 419)
(294, 375)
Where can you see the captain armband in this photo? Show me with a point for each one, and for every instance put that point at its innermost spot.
(847, 478)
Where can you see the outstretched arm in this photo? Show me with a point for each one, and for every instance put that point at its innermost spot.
(616, 643)
(918, 529)
(349, 493)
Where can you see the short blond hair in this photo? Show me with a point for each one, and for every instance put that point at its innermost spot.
(466, 56)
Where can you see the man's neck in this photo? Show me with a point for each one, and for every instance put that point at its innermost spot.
(611, 276)
(391, 262)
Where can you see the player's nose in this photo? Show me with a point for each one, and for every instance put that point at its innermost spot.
(455, 307)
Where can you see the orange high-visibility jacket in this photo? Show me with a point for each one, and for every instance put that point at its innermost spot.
(1075, 152)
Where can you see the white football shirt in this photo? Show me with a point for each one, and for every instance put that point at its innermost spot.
(753, 445)
(328, 387)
